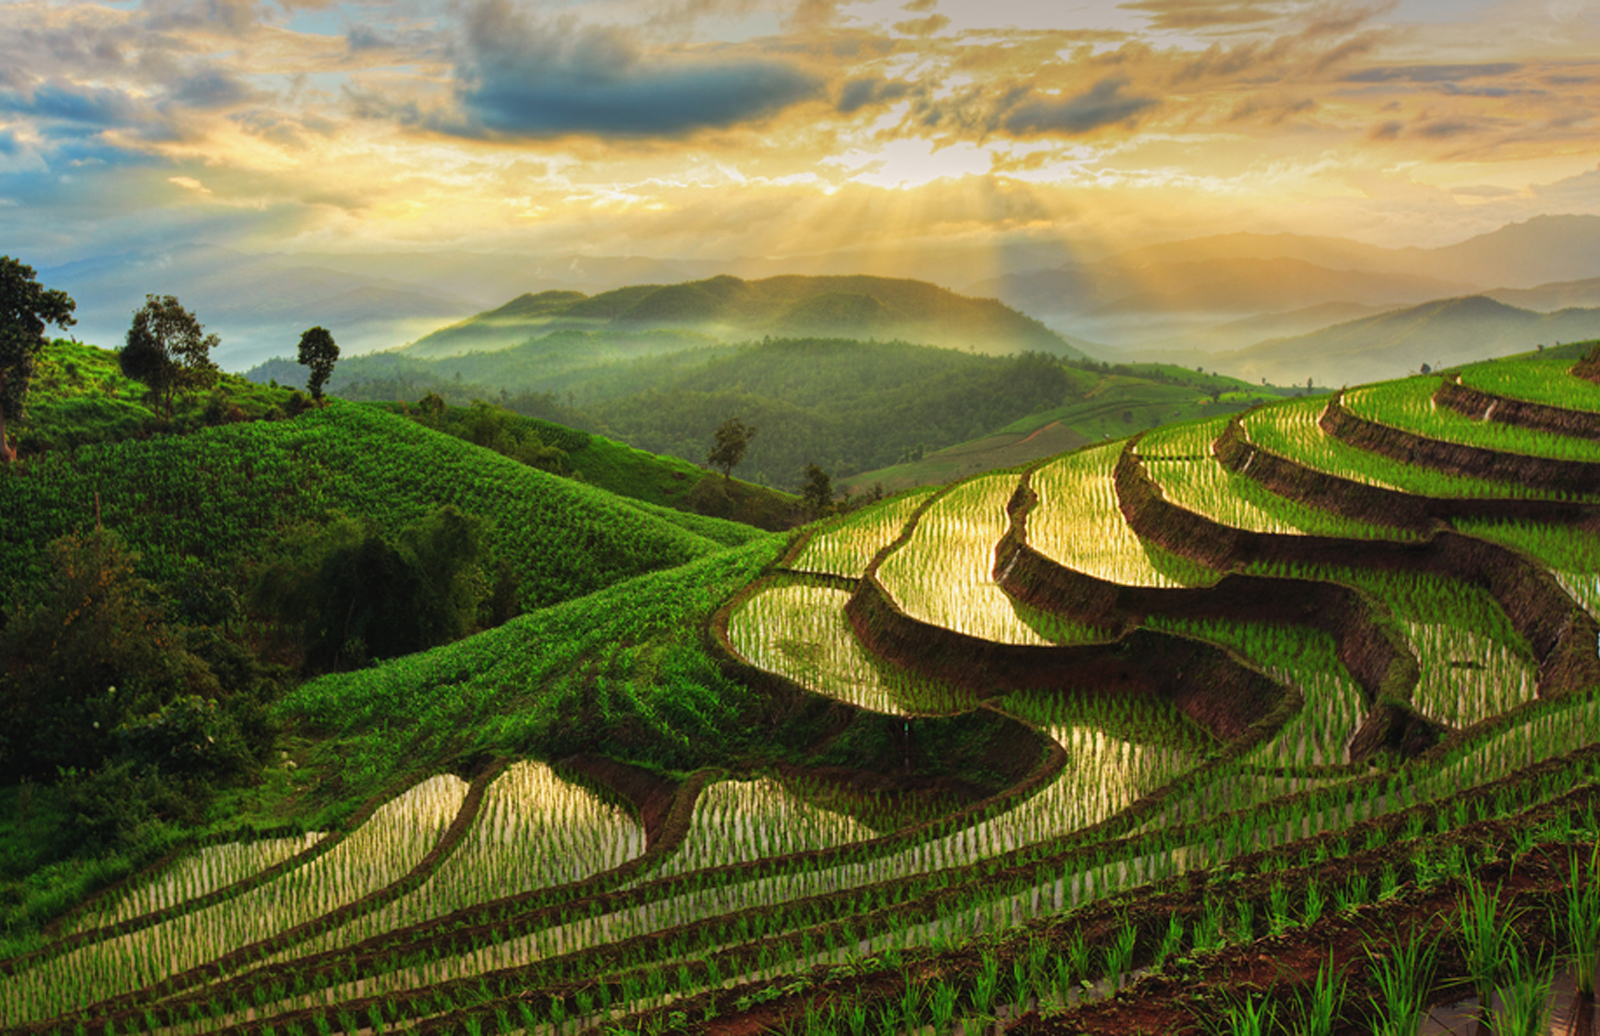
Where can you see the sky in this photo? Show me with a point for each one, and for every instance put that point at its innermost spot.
(724, 128)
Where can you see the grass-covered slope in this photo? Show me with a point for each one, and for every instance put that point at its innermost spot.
(214, 498)
(79, 394)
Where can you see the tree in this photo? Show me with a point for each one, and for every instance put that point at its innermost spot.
(733, 438)
(25, 309)
(817, 491)
(319, 352)
(168, 350)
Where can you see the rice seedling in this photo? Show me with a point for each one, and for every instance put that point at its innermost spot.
(1319, 1004)
(1291, 430)
(1248, 1017)
(1486, 937)
(381, 851)
(1404, 977)
(1408, 404)
(199, 873)
(1535, 380)
(800, 631)
(1078, 524)
(1522, 994)
(943, 574)
(534, 830)
(846, 548)
(1203, 485)
(1579, 920)
(1320, 733)
(747, 820)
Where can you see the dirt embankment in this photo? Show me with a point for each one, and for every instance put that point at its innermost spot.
(1377, 504)
(1222, 695)
(1562, 635)
(1456, 458)
(1485, 406)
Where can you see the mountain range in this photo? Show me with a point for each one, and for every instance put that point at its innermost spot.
(1194, 300)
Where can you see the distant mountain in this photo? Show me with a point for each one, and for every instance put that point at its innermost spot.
(1522, 255)
(1441, 333)
(257, 304)
(1547, 298)
(729, 309)
(1256, 285)
(1146, 297)
(1197, 346)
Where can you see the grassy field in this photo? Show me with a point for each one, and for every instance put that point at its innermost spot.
(717, 780)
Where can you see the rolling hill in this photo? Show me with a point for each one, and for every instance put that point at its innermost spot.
(726, 308)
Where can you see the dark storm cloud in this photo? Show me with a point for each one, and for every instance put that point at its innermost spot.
(523, 79)
(1103, 104)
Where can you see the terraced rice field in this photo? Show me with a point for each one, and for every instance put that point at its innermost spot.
(1328, 744)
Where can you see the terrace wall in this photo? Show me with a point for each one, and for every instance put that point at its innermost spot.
(1457, 458)
(1484, 406)
(1378, 504)
(1561, 634)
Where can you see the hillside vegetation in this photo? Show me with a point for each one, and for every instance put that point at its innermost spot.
(848, 406)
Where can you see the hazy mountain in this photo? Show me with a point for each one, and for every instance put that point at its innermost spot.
(729, 309)
(1197, 346)
(257, 304)
(1389, 345)
(1257, 285)
(1151, 296)
(1547, 298)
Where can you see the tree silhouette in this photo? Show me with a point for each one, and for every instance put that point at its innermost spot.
(733, 438)
(319, 352)
(168, 350)
(25, 309)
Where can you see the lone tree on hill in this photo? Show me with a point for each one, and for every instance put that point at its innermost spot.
(25, 309)
(319, 352)
(818, 490)
(733, 438)
(168, 350)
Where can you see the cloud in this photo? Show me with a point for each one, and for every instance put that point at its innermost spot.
(1271, 110)
(1101, 105)
(1430, 73)
(547, 79)
(212, 88)
(68, 102)
(870, 90)
(1201, 14)
(922, 26)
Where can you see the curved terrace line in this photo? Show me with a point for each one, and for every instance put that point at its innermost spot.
(1561, 634)
(1457, 458)
(1543, 417)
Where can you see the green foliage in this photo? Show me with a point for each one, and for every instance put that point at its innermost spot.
(26, 308)
(319, 353)
(357, 597)
(732, 440)
(214, 497)
(620, 672)
(168, 350)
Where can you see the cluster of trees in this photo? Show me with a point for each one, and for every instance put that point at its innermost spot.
(166, 347)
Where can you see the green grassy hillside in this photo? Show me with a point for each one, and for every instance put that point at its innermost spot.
(728, 308)
(214, 498)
